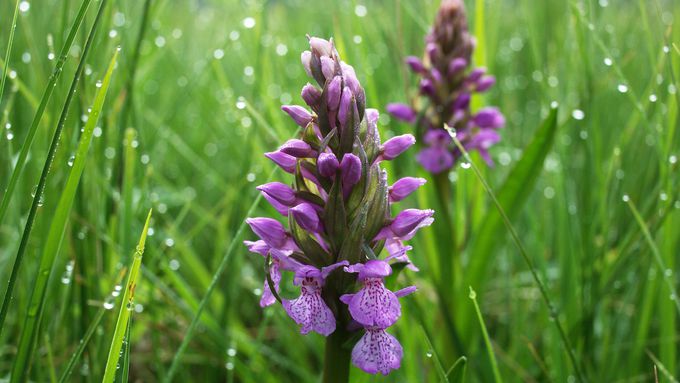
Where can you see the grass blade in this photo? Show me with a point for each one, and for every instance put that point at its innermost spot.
(56, 231)
(213, 283)
(544, 291)
(456, 373)
(443, 376)
(487, 342)
(12, 27)
(125, 307)
(51, 84)
(511, 197)
(46, 168)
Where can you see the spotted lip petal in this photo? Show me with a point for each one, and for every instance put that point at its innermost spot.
(377, 352)
(310, 311)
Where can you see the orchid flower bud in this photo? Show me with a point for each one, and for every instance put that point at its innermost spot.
(299, 114)
(307, 217)
(310, 94)
(402, 112)
(404, 187)
(328, 164)
(397, 145)
(285, 161)
(297, 148)
(280, 192)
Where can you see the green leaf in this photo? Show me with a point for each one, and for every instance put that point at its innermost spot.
(126, 305)
(56, 232)
(512, 196)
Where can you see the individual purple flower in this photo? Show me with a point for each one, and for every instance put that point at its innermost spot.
(307, 217)
(327, 164)
(285, 161)
(299, 114)
(280, 260)
(393, 147)
(297, 148)
(270, 230)
(404, 187)
(280, 192)
(406, 223)
(377, 352)
(402, 112)
(309, 309)
(447, 82)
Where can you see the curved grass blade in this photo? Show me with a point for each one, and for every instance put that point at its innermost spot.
(456, 373)
(443, 376)
(57, 230)
(668, 278)
(487, 342)
(48, 163)
(51, 84)
(81, 346)
(126, 305)
(508, 225)
(12, 27)
(511, 198)
(213, 283)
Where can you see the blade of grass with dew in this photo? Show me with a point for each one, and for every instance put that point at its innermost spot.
(661, 367)
(437, 363)
(512, 196)
(456, 373)
(57, 230)
(126, 305)
(10, 40)
(544, 291)
(487, 342)
(667, 277)
(220, 269)
(51, 84)
(37, 199)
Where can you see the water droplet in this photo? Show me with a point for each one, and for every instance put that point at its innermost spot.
(428, 354)
(549, 192)
(249, 22)
(672, 159)
(218, 54)
(234, 35)
(608, 61)
(281, 49)
(231, 351)
(473, 294)
(360, 10)
(465, 165)
(24, 6)
(26, 57)
(626, 198)
(248, 71)
(174, 265)
(113, 33)
(229, 365)
(583, 135)
(241, 103)
(108, 304)
(41, 199)
(9, 135)
(666, 49)
(554, 105)
(159, 41)
(8, 126)
(663, 196)
(622, 88)
(652, 97)
(578, 114)
(169, 242)
(71, 160)
(357, 39)
(50, 56)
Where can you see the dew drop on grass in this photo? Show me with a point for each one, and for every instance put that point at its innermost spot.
(113, 33)
(174, 265)
(626, 198)
(652, 97)
(281, 49)
(24, 6)
(41, 199)
(108, 304)
(9, 135)
(428, 354)
(672, 159)
(622, 88)
(26, 57)
(218, 54)
(231, 351)
(249, 22)
(608, 61)
(98, 84)
(663, 197)
(71, 160)
(554, 105)
(229, 365)
(666, 49)
(241, 103)
(578, 114)
(360, 10)
(465, 165)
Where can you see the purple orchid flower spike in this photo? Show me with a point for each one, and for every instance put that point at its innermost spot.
(336, 158)
(448, 79)
(309, 309)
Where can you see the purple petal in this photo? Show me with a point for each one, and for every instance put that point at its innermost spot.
(427, 87)
(402, 112)
(462, 102)
(415, 64)
(321, 47)
(285, 161)
(311, 94)
(327, 164)
(299, 114)
(306, 58)
(397, 145)
(476, 74)
(281, 208)
(437, 137)
(345, 108)
(374, 305)
(270, 230)
(325, 271)
(489, 118)
(307, 217)
(350, 167)
(267, 295)
(377, 351)
(405, 291)
(333, 92)
(327, 67)
(310, 311)
(435, 159)
(297, 148)
(375, 268)
(410, 220)
(485, 83)
(456, 65)
(405, 186)
(259, 247)
(279, 191)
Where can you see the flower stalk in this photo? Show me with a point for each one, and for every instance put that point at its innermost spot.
(339, 222)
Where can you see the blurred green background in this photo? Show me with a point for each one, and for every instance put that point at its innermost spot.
(204, 104)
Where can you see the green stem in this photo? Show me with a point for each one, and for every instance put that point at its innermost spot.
(336, 358)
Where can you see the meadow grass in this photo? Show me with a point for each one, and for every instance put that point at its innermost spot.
(593, 199)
